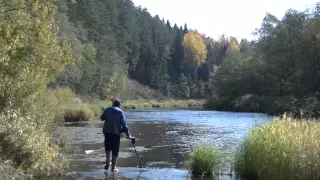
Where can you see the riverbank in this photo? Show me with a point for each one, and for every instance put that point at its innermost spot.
(98, 106)
(74, 109)
(283, 149)
(170, 103)
(302, 107)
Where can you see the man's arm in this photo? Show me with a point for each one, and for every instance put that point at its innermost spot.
(124, 124)
(103, 115)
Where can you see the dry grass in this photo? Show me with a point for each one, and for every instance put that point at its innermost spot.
(78, 112)
(70, 108)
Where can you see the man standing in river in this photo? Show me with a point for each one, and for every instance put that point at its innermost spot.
(114, 124)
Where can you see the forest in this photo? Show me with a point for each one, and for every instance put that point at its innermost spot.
(115, 40)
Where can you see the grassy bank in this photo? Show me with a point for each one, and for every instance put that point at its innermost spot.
(146, 104)
(73, 109)
(283, 149)
(308, 106)
(99, 106)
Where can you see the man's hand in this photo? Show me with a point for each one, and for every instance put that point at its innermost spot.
(133, 139)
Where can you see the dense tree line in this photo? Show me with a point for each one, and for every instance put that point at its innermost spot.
(113, 40)
(281, 74)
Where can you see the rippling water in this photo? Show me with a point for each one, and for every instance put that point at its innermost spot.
(164, 140)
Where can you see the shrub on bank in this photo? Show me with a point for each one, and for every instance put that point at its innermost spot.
(98, 107)
(203, 159)
(253, 103)
(78, 112)
(68, 107)
(283, 149)
(29, 145)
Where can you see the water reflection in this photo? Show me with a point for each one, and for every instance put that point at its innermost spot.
(164, 140)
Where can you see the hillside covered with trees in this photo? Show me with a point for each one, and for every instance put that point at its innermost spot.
(113, 40)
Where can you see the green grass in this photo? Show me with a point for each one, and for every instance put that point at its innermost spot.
(204, 159)
(283, 149)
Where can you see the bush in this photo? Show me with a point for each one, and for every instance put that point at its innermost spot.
(28, 145)
(283, 149)
(247, 103)
(98, 107)
(62, 104)
(49, 106)
(219, 103)
(79, 112)
(204, 158)
(45, 107)
(311, 106)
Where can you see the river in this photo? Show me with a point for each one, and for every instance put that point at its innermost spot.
(164, 140)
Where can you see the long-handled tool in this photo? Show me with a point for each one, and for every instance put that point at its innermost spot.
(133, 141)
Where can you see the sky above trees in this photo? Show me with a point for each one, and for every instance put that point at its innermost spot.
(233, 17)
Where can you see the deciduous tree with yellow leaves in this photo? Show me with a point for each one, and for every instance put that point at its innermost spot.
(195, 50)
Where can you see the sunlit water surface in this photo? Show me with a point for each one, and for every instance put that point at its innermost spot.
(164, 140)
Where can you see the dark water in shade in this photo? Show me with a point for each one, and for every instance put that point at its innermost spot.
(164, 140)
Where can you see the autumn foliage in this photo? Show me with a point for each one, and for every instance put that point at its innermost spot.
(195, 51)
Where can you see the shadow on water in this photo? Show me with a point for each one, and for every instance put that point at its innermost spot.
(164, 140)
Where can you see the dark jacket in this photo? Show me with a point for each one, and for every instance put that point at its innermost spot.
(114, 121)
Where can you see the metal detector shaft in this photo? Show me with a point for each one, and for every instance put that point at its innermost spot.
(137, 155)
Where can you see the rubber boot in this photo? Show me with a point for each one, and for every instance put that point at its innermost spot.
(113, 165)
(106, 167)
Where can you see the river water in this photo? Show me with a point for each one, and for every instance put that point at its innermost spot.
(164, 140)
